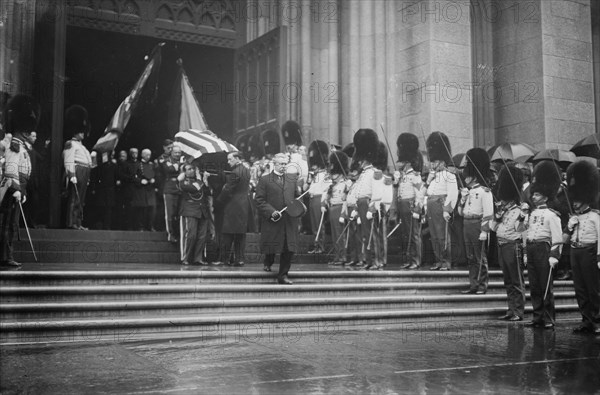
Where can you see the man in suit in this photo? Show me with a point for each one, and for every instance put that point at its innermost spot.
(235, 203)
(279, 231)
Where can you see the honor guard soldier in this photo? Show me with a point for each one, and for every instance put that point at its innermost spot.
(405, 210)
(366, 144)
(440, 197)
(171, 169)
(380, 205)
(21, 116)
(350, 214)
(318, 183)
(78, 164)
(584, 230)
(477, 209)
(544, 239)
(333, 202)
(510, 243)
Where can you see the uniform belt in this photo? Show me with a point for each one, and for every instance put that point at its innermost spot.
(502, 241)
(584, 245)
(82, 164)
(436, 196)
(407, 199)
(531, 242)
(473, 217)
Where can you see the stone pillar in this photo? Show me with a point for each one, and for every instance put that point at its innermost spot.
(331, 88)
(306, 72)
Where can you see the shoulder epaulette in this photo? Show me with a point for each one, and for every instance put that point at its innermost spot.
(486, 189)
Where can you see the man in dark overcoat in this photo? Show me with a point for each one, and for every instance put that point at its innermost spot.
(144, 195)
(279, 231)
(235, 202)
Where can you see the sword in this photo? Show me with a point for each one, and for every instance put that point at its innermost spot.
(481, 261)
(393, 230)
(320, 225)
(27, 230)
(388, 146)
(339, 237)
(548, 283)
(370, 235)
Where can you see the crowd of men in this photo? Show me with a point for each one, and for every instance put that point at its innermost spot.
(483, 213)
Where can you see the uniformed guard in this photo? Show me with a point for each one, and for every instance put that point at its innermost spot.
(510, 243)
(544, 239)
(144, 197)
(405, 210)
(78, 164)
(381, 201)
(366, 144)
(439, 197)
(318, 183)
(353, 238)
(334, 200)
(477, 209)
(21, 118)
(171, 170)
(584, 230)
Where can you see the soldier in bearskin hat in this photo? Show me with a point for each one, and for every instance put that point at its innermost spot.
(381, 201)
(584, 230)
(407, 183)
(441, 194)
(21, 117)
(510, 244)
(78, 163)
(544, 239)
(359, 198)
(334, 201)
(477, 209)
(317, 183)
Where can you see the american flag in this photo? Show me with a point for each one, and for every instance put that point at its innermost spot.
(197, 143)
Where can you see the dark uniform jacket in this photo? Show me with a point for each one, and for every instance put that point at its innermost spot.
(194, 200)
(235, 201)
(170, 169)
(144, 195)
(272, 195)
(103, 184)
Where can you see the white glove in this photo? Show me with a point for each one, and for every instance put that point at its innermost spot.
(553, 262)
(118, 182)
(152, 180)
(17, 195)
(397, 176)
(353, 214)
(358, 221)
(24, 199)
(73, 180)
(573, 221)
(144, 181)
(342, 220)
(524, 209)
(323, 209)
(446, 216)
(369, 215)
(483, 236)
(181, 177)
(416, 215)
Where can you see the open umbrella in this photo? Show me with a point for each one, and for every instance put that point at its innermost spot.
(589, 146)
(562, 157)
(197, 143)
(510, 151)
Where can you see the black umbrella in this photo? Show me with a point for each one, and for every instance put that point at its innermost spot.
(589, 146)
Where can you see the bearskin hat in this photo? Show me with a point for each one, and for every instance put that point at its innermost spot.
(349, 150)
(76, 121)
(583, 183)
(478, 165)
(318, 154)
(508, 177)
(291, 133)
(366, 144)
(438, 147)
(408, 147)
(271, 142)
(339, 162)
(21, 114)
(546, 180)
(381, 159)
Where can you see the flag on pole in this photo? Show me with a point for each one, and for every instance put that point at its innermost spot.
(197, 143)
(119, 121)
(191, 117)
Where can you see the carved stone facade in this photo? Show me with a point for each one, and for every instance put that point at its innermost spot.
(206, 22)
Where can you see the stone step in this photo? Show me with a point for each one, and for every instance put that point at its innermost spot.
(250, 326)
(30, 294)
(224, 275)
(173, 307)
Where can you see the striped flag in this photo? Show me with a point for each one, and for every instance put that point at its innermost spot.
(119, 121)
(197, 143)
(190, 117)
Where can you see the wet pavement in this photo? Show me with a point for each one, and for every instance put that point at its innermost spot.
(427, 358)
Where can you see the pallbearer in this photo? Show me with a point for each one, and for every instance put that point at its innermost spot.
(477, 208)
(544, 239)
(440, 197)
(584, 229)
(333, 202)
(405, 210)
(510, 244)
(366, 144)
